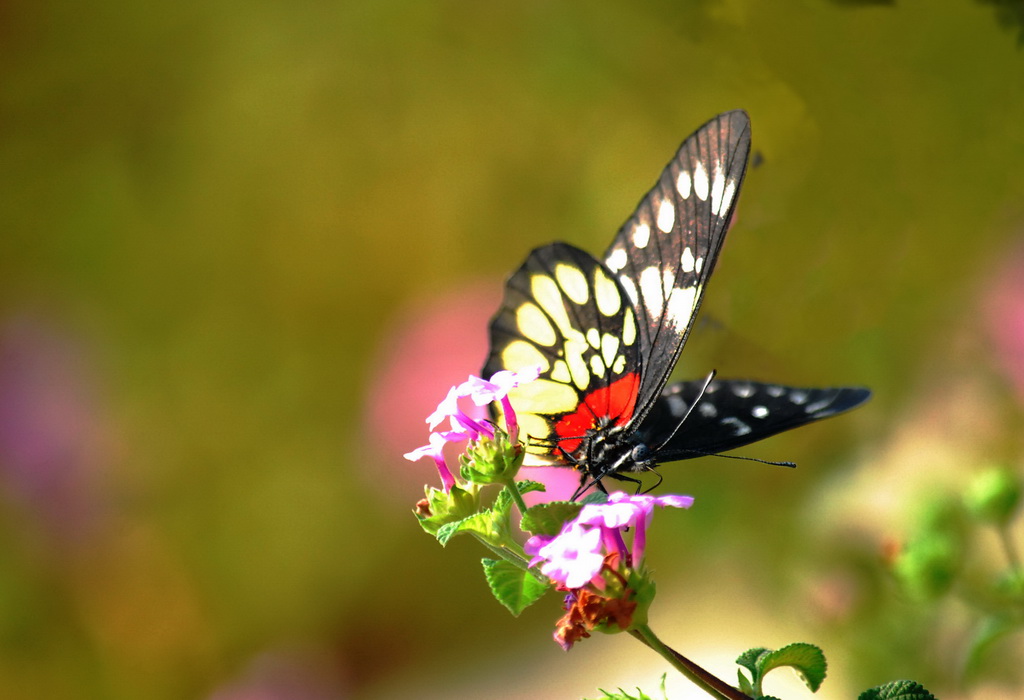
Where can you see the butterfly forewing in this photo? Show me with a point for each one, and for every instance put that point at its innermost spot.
(564, 312)
(735, 412)
(606, 335)
(664, 254)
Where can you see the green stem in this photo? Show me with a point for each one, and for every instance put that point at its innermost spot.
(516, 496)
(709, 683)
(1009, 549)
(505, 553)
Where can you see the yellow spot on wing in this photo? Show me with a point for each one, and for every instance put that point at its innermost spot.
(606, 293)
(577, 365)
(545, 292)
(543, 396)
(533, 324)
(573, 282)
(609, 348)
(560, 372)
(628, 328)
(520, 354)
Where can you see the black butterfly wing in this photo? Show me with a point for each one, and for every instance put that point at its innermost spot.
(732, 413)
(564, 312)
(664, 254)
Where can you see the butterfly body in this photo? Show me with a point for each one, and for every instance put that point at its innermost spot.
(606, 334)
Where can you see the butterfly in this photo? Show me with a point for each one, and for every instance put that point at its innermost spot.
(606, 333)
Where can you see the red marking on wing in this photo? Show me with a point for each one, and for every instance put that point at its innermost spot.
(615, 402)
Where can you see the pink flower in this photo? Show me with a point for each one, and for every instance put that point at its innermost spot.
(449, 408)
(435, 450)
(501, 382)
(576, 555)
(573, 558)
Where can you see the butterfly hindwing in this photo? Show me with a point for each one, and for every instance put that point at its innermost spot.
(733, 412)
(664, 254)
(564, 312)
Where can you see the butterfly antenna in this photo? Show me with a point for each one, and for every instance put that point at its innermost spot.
(704, 453)
(700, 395)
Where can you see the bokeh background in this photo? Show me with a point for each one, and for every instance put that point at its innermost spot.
(246, 246)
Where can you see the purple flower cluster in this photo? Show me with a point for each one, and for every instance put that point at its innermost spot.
(464, 427)
(575, 557)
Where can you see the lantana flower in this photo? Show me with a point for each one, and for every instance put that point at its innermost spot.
(606, 577)
(490, 455)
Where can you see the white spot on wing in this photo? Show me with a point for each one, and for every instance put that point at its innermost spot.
(759, 412)
(687, 259)
(666, 215)
(594, 338)
(739, 428)
(798, 397)
(700, 182)
(818, 406)
(707, 409)
(744, 391)
(683, 184)
(727, 195)
(717, 189)
(617, 259)
(680, 306)
(630, 288)
(698, 265)
(641, 235)
(652, 290)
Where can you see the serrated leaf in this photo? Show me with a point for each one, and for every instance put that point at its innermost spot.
(480, 523)
(623, 695)
(514, 588)
(745, 685)
(526, 486)
(806, 659)
(897, 690)
(748, 659)
(548, 518)
(594, 497)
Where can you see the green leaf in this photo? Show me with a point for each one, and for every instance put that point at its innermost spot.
(748, 659)
(484, 524)
(745, 686)
(526, 486)
(994, 495)
(806, 659)
(548, 518)
(623, 695)
(594, 497)
(514, 588)
(641, 695)
(897, 690)
(991, 630)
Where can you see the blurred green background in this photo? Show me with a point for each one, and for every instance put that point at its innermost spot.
(246, 246)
